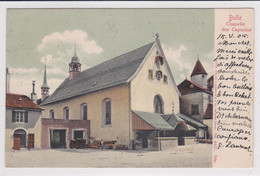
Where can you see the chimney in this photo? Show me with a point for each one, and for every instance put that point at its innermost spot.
(33, 94)
(7, 81)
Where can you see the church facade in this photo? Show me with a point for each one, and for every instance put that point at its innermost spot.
(132, 99)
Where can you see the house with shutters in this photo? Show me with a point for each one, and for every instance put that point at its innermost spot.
(197, 98)
(23, 123)
(132, 99)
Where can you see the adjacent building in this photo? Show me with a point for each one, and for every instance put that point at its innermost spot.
(197, 98)
(23, 122)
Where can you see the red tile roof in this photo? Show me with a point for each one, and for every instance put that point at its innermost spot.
(209, 112)
(187, 87)
(198, 69)
(20, 101)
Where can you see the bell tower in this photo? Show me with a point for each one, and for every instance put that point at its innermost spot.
(74, 66)
(45, 88)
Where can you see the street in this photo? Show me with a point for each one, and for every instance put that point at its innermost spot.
(195, 156)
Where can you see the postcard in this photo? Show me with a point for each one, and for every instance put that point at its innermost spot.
(129, 88)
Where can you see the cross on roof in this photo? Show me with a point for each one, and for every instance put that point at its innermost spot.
(157, 36)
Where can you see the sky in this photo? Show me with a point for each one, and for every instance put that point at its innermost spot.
(100, 35)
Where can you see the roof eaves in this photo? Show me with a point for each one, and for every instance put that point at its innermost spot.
(81, 93)
(141, 65)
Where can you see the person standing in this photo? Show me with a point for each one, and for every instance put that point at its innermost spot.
(102, 144)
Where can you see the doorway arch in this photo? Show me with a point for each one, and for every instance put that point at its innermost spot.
(180, 132)
(19, 138)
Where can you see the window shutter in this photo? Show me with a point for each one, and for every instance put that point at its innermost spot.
(26, 117)
(13, 116)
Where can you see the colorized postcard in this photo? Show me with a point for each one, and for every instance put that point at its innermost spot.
(129, 88)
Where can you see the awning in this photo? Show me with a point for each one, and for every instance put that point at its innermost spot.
(149, 121)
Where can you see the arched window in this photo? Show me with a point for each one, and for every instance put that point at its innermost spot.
(66, 113)
(158, 104)
(52, 114)
(84, 111)
(107, 111)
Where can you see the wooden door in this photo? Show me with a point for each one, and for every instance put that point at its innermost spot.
(16, 145)
(30, 141)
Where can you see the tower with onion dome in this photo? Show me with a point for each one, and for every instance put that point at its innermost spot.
(74, 66)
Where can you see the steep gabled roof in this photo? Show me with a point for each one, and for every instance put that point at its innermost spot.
(108, 74)
(20, 102)
(198, 69)
(187, 87)
(209, 111)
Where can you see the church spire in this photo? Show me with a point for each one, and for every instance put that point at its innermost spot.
(45, 77)
(75, 49)
(45, 88)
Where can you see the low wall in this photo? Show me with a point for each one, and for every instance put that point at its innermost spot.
(167, 142)
(189, 140)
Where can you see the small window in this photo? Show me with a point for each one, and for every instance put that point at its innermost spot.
(159, 60)
(150, 74)
(20, 116)
(79, 134)
(52, 114)
(165, 79)
(203, 76)
(66, 113)
(84, 111)
(210, 99)
(158, 75)
(107, 111)
(195, 109)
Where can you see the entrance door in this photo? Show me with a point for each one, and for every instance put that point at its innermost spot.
(30, 140)
(144, 142)
(16, 145)
(19, 139)
(180, 132)
(58, 138)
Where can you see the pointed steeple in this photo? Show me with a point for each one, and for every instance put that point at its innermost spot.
(45, 85)
(45, 88)
(199, 74)
(198, 69)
